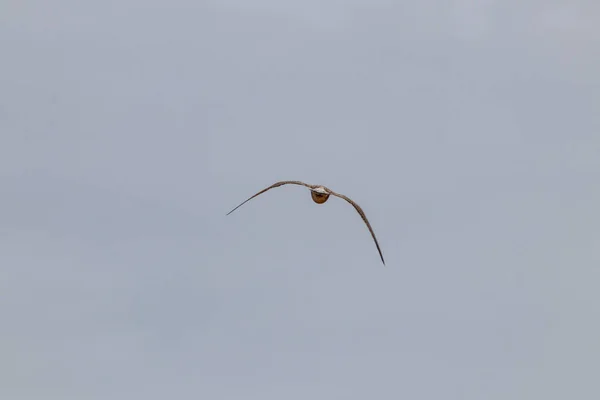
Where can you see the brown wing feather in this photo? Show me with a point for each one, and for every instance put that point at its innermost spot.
(363, 216)
(271, 187)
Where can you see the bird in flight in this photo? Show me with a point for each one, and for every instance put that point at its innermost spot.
(320, 194)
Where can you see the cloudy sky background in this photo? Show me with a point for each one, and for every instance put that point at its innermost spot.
(467, 131)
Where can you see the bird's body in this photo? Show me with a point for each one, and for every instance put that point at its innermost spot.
(320, 194)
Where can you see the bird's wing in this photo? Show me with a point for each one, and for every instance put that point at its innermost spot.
(363, 216)
(271, 187)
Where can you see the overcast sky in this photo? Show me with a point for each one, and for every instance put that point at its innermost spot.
(469, 132)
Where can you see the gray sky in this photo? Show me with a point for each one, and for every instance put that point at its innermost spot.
(468, 132)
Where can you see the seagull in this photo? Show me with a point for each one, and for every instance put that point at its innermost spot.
(320, 194)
